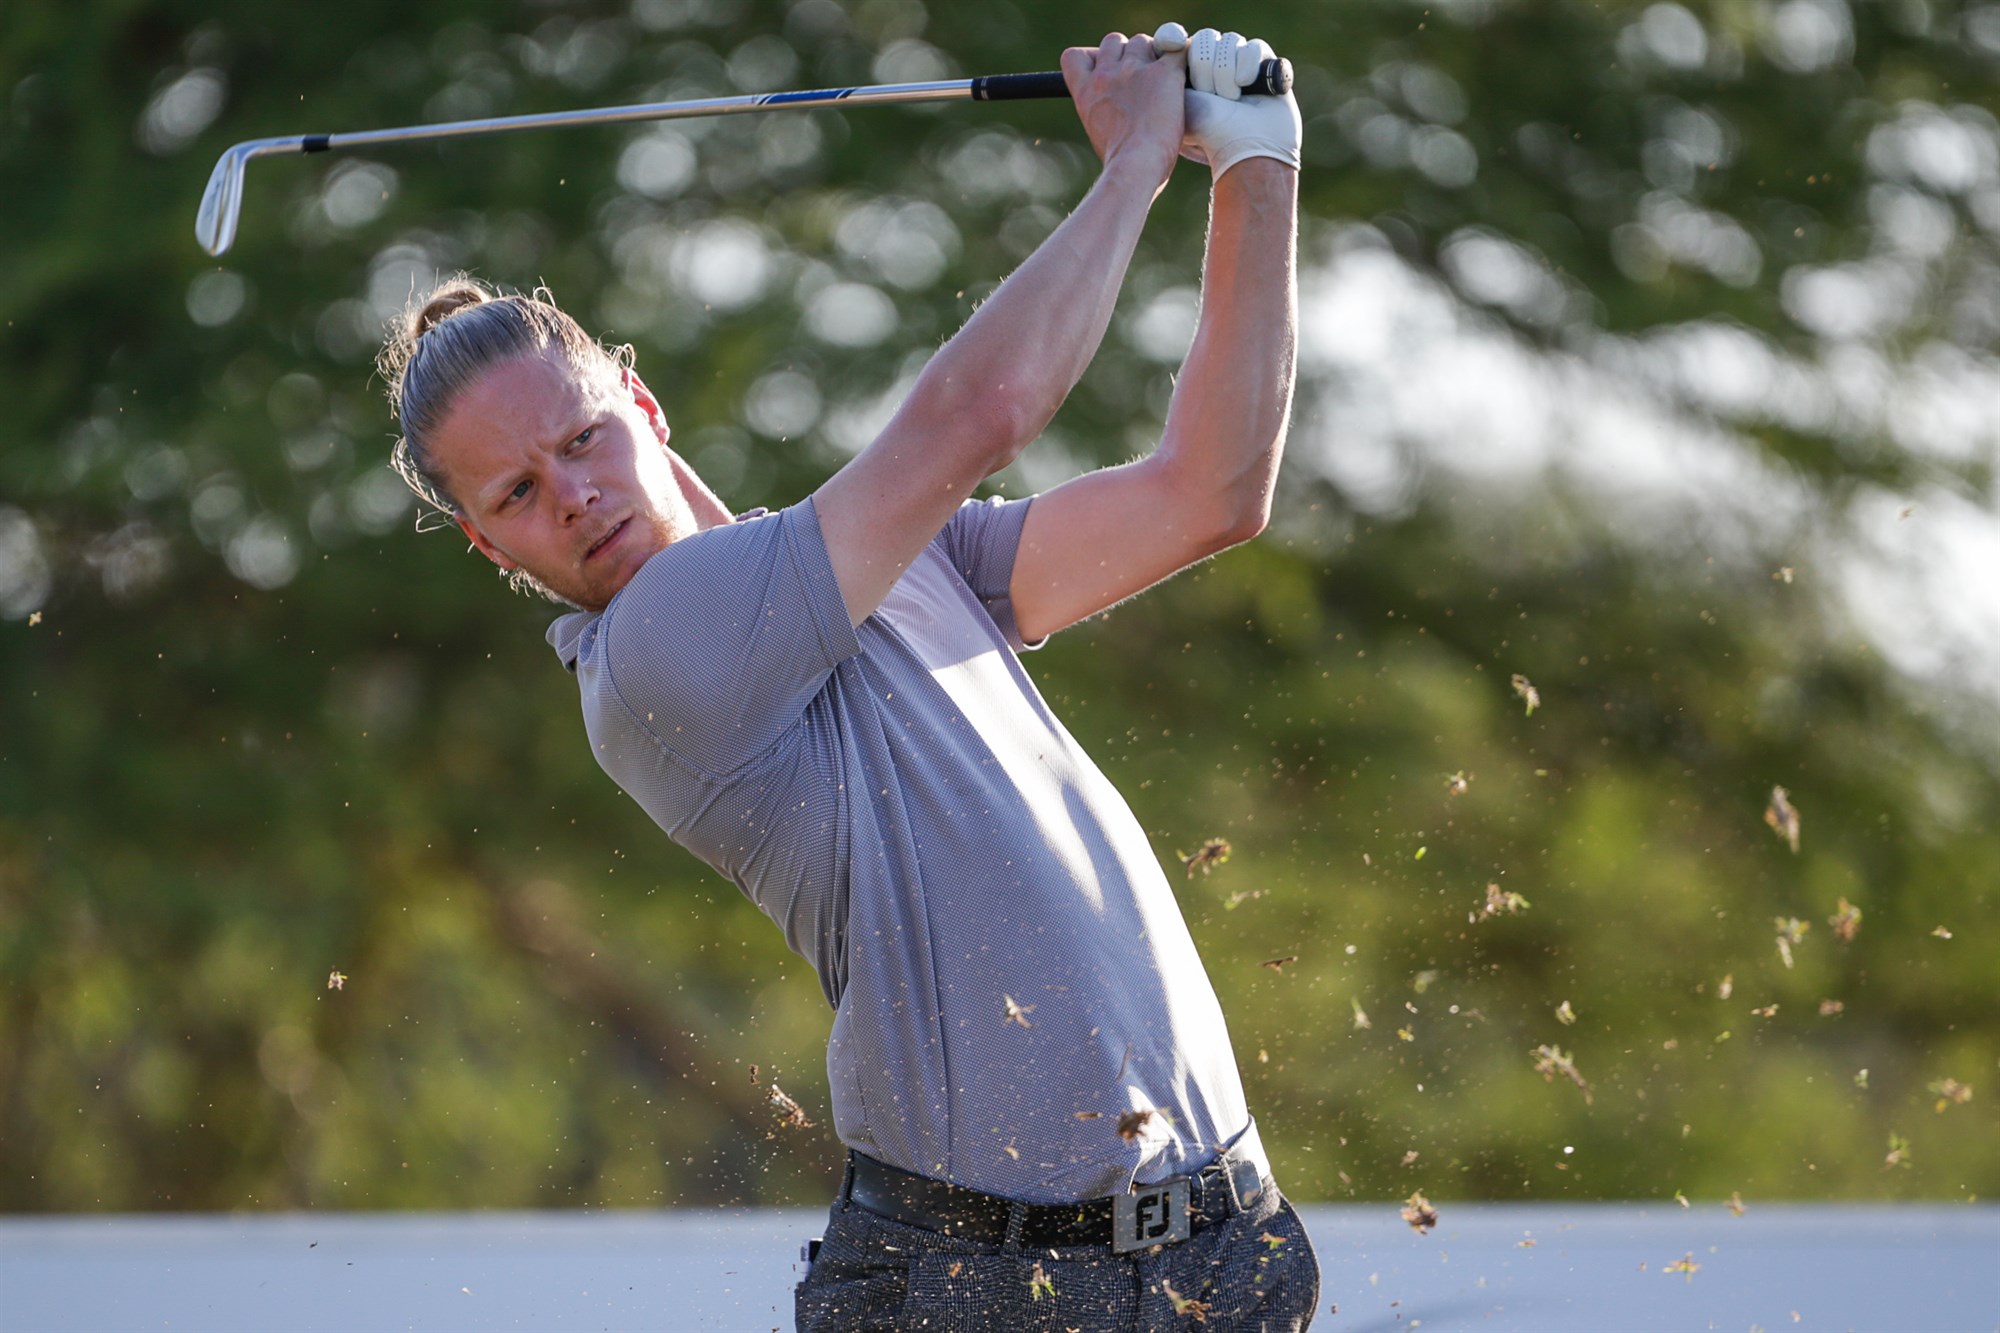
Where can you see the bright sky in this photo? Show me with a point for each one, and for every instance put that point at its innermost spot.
(1410, 389)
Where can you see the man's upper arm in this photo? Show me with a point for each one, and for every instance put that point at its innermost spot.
(879, 511)
(1097, 539)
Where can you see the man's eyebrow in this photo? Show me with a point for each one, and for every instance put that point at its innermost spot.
(585, 416)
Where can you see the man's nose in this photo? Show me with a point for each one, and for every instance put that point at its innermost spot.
(577, 493)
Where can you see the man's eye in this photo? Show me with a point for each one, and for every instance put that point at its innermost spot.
(584, 438)
(520, 489)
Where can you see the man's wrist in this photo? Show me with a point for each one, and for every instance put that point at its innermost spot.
(1124, 172)
(1258, 173)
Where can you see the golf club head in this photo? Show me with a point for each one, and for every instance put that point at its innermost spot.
(222, 201)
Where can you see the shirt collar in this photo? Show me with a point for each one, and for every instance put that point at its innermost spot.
(566, 636)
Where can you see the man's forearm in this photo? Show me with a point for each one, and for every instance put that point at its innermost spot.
(1012, 364)
(1232, 403)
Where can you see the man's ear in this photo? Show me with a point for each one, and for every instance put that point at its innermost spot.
(484, 547)
(647, 403)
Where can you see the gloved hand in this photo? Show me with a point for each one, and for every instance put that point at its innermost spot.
(1223, 126)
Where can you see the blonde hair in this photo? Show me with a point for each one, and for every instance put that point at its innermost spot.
(444, 343)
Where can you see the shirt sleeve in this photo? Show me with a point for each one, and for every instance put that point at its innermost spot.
(980, 541)
(720, 641)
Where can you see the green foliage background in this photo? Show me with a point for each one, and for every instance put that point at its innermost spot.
(254, 729)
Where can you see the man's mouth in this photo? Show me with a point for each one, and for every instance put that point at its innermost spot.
(598, 546)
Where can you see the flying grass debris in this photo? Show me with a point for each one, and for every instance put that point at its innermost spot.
(1736, 1208)
(1185, 1306)
(1950, 1092)
(1899, 1153)
(336, 980)
(1456, 784)
(790, 1114)
(1016, 1012)
(1791, 931)
(1551, 1060)
(1417, 1211)
(1499, 902)
(1205, 857)
(1782, 817)
(1564, 1014)
(1686, 1266)
(1133, 1123)
(1040, 1284)
(1829, 1008)
(1846, 920)
(1279, 964)
(1942, 932)
(1531, 696)
(1361, 1020)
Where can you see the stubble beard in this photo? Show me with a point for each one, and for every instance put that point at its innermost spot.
(587, 590)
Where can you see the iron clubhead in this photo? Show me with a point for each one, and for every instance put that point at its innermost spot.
(222, 201)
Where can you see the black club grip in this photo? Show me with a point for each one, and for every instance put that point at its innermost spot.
(1274, 79)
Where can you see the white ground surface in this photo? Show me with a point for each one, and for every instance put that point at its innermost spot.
(1600, 1268)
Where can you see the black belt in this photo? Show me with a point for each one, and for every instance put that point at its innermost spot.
(954, 1210)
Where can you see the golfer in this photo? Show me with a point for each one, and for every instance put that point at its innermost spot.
(1044, 1120)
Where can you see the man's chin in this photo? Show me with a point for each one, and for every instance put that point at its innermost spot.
(591, 586)
(595, 592)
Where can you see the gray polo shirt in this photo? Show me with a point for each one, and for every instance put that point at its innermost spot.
(1008, 968)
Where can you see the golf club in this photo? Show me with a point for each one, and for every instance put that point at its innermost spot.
(222, 201)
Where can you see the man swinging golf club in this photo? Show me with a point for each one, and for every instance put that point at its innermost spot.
(1029, 1068)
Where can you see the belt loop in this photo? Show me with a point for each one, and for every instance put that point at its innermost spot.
(847, 1181)
(1221, 1177)
(1017, 1217)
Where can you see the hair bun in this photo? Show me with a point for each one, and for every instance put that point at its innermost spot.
(460, 293)
(457, 293)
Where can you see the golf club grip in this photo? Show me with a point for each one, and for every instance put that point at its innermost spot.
(1274, 79)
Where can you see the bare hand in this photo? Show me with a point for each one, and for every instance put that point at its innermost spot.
(1129, 98)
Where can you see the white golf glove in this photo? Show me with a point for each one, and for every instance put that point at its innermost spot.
(1223, 126)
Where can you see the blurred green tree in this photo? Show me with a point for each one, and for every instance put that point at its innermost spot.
(1648, 355)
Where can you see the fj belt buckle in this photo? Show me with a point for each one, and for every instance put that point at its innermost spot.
(1151, 1215)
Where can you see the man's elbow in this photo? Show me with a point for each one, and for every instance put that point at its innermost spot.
(1244, 520)
(1221, 521)
(993, 431)
(1242, 505)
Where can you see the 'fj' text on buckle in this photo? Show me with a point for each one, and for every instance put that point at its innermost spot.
(1151, 1215)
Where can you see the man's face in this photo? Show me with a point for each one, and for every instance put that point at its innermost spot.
(563, 474)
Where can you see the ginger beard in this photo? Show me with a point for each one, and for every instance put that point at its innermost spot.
(562, 473)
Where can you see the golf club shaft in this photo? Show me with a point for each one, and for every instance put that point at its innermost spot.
(222, 201)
